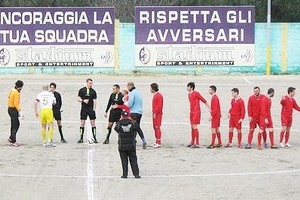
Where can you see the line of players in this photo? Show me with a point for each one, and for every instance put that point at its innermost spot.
(259, 112)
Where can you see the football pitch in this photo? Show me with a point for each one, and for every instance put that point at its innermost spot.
(74, 171)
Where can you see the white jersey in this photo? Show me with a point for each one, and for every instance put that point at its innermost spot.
(46, 99)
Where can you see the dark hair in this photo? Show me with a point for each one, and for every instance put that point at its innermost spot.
(191, 84)
(235, 90)
(270, 91)
(290, 90)
(117, 86)
(19, 84)
(256, 87)
(89, 79)
(214, 88)
(154, 87)
(53, 84)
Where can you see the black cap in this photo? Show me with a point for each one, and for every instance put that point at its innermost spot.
(19, 84)
(124, 114)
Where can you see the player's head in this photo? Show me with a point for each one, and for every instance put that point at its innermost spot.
(271, 92)
(190, 86)
(124, 92)
(116, 88)
(130, 85)
(52, 87)
(45, 87)
(256, 90)
(212, 89)
(124, 114)
(89, 83)
(291, 91)
(235, 92)
(154, 87)
(19, 85)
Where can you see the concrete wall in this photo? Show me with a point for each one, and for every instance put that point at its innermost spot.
(285, 47)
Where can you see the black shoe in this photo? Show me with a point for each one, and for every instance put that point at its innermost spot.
(80, 141)
(63, 141)
(137, 176)
(210, 146)
(95, 141)
(123, 176)
(106, 141)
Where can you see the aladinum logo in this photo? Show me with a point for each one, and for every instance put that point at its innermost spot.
(4, 56)
(144, 55)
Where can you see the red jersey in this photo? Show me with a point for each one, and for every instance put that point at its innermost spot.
(254, 105)
(157, 103)
(237, 108)
(288, 104)
(194, 98)
(215, 106)
(266, 104)
(125, 107)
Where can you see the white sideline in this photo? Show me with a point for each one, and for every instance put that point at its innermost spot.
(90, 175)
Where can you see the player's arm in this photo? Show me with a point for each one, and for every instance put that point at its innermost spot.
(59, 101)
(295, 105)
(131, 99)
(35, 105)
(109, 103)
(282, 101)
(243, 110)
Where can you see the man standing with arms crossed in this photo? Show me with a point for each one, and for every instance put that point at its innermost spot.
(57, 110)
(157, 112)
(215, 118)
(46, 100)
(14, 111)
(288, 104)
(87, 96)
(195, 113)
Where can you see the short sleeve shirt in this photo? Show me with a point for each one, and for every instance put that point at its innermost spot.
(46, 99)
(87, 93)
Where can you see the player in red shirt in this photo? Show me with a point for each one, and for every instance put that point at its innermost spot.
(266, 119)
(236, 115)
(215, 118)
(195, 113)
(254, 113)
(288, 104)
(157, 111)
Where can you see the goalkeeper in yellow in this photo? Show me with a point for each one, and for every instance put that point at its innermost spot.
(46, 100)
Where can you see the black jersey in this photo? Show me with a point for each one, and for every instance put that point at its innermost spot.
(114, 99)
(87, 93)
(58, 104)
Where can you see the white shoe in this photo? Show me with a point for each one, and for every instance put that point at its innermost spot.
(51, 144)
(156, 145)
(288, 145)
(44, 144)
(281, 145)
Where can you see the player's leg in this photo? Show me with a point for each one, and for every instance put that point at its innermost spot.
(83, 118)
(15, 124)
(283, 130)
(59, 125)
(133, 163)
(92, 116)
(213, 138)
(109, 130)
(252, 126)
(50, 134)
(239, 137)
(124, 161)
(157, 130)
(287, 136)
(230, 134)
(219, 137)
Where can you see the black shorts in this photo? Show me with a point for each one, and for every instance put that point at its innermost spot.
(85, 112)
(56, 114)
(114, 115)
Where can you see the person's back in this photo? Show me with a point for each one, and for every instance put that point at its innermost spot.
(126, 128)
(135, 102)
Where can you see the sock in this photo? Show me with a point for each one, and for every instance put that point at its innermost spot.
(271, 134)
(281, 136)
(287, 137)
(44, 135)
(60, 132)
(81, 132)
(50, 134)
(259, 139)
(193, 136)
(108, 133)
(250, 137)
(230, 136)
(197, 136)
(239, 138)
(158, 135)
(213, 138)
(219, 138)
(264, 135)
(94, 133)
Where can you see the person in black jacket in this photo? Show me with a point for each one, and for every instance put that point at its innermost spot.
(127, 129)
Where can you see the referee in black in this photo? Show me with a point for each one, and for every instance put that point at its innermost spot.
(88, 98)
(116, 97)
(57, 110)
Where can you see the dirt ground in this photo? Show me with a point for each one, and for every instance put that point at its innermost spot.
(80, 171)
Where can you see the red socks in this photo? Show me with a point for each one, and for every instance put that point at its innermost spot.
(287, 137)
(219, 138)
(264, 135)
(230, 137)
(250, 137)
(157, 135)
(213, 139)
(281, 136)
(195, 136)
(271, 134)
(259, 138)
(239, 138)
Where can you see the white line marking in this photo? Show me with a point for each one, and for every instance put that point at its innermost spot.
(158, 176)
(247, 81)
(90, 175)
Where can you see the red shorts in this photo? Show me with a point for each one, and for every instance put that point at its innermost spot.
(263, 125)
(254, 123)
(195, 117)
(234, 123)
(215, 122)
(157, 120)
(286, 120)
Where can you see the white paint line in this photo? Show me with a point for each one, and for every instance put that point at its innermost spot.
(159, 176)
(247, 81)
(90, 175)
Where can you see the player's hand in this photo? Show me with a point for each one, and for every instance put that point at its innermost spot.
(86, 101)
(154, 115)
(105, 115)
(266, 121)
(250, 119)
(37, 115)
(21, 115)
(241, 120)
(114, 106)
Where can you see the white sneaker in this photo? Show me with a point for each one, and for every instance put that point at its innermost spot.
(44, 144)
(281, 145)
(288, 145)
(51, 144)
(156, 145)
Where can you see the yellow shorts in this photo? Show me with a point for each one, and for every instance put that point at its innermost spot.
(46, 116)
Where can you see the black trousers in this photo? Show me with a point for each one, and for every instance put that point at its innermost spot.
(124, 155)
(15, 123)
(136, 117)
